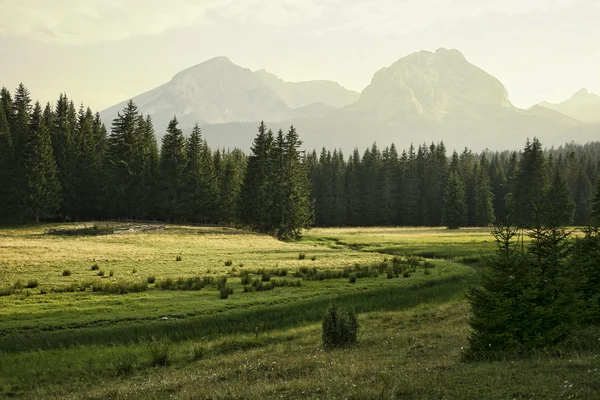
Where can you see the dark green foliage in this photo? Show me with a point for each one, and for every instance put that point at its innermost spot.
(173, 161)
(120, 287)
(124, 364)
(301, 256)
(95, 267)
(455, 208)
(557, 200)
(66, 272)
(196, 352)
(31, 284)
(228, 263)
(340, 327)
(151, 279)
(585, 264)
(596, 206)
(159, 351)
(178, 258)
(352, 278)
(192, 283)
(225, 290)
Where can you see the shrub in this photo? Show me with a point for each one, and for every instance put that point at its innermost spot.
(159, 352)
(228, 263)
(301, 256)
(66, 272)
(196, 352)
(428, 264)
(427, 272)
(221, 282)
(95, 267)
(352, 278)
(340, 327)
(111, 273)
(6, 291)
(124, 364)
(151, 279)
(241, 265)
(406, 273)
(266, 276)
(313, 258)
(18, 285)
(390, 273)
(178, 258)
(120, 287)
(225, 291)
(245, 278)
(32, 284)
(134, 271)
(100, 273)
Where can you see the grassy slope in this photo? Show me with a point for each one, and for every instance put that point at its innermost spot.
(409, 344)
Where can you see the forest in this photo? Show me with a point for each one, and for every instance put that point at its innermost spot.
(62, 163)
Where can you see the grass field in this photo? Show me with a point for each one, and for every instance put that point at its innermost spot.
(259, 344)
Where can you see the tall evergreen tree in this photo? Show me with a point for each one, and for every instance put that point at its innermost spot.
(583, 199)
(20, 131)
(558, 199)
(43, 188)
(530, 183)
(596, 206)
(172, 167)
(6, 164)
(484, 210)
(256, 197)
(455, 203)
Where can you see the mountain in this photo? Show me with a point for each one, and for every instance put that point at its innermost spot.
(214, 92)
(583, 105)
(423, 97)
(302, 94)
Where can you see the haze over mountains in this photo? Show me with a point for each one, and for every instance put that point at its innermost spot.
(423, 97)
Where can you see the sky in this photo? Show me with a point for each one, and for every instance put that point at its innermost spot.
(101, 52)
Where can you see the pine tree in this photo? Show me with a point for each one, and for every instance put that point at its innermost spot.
(454, 214)
(230, 187)
(583, 199)
(256, 198)
(20, 131)
(530, 183)
(558, 199)
(352, 190)
(126, 163)
(484, 211)
(149, 191)
(43, 187)
(596, 206)
(6, 164)
(296, 208)
(88, 167)
(172, 167)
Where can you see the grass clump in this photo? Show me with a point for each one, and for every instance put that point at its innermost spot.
(228, 263)
(225, 291)
(124, 364)
(178, 258)
(196, 352)
(120, 287)
(66, 272)
(111, 273)
(339, 328)
(192, 283)
(352, 278)
(100, 273)
(32, 284)
(301, 256)
(159, 351)
(95, 267)
(151, 279)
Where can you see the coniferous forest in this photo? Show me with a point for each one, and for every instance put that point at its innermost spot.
(60, 162)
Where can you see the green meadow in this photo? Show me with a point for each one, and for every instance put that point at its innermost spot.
(141, 315)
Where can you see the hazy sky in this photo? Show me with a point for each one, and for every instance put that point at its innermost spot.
(103, 51)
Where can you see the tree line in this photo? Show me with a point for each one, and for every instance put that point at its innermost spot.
(61, 163)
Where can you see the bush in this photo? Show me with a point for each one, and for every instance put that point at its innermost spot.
(221, 282)
(266, 276)
(95, 267)
(390, 273)
(66, 272)
(301, 256)
(100, 273)
(340, 327)
(159, 352)
(245, 278)
(124, 364)
(406, 273)
(352, 278)
(151, 279)
(228, 263)
(134, 271)
(32, 284)
(111, 273)
(313, 258)
(225, 291)
(18, 285)
(196, 352)
(6, 291)
(178, 258)
(427, 272)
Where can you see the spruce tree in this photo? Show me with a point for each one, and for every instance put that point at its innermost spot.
(256, 198)
(230, 187)
(454, 214)
(596, 205)
(43, 188)
(484, 210)
(530, 183)
(172, 167)
(6, 164)
(20, 131)
(583, 199)
(352, 190)
(558, 199)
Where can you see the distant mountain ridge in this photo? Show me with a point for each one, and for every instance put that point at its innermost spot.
(423, 97)
(583, 106)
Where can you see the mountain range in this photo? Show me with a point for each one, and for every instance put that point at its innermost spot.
(423, 97)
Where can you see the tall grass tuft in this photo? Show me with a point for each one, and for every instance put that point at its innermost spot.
(159, 351)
